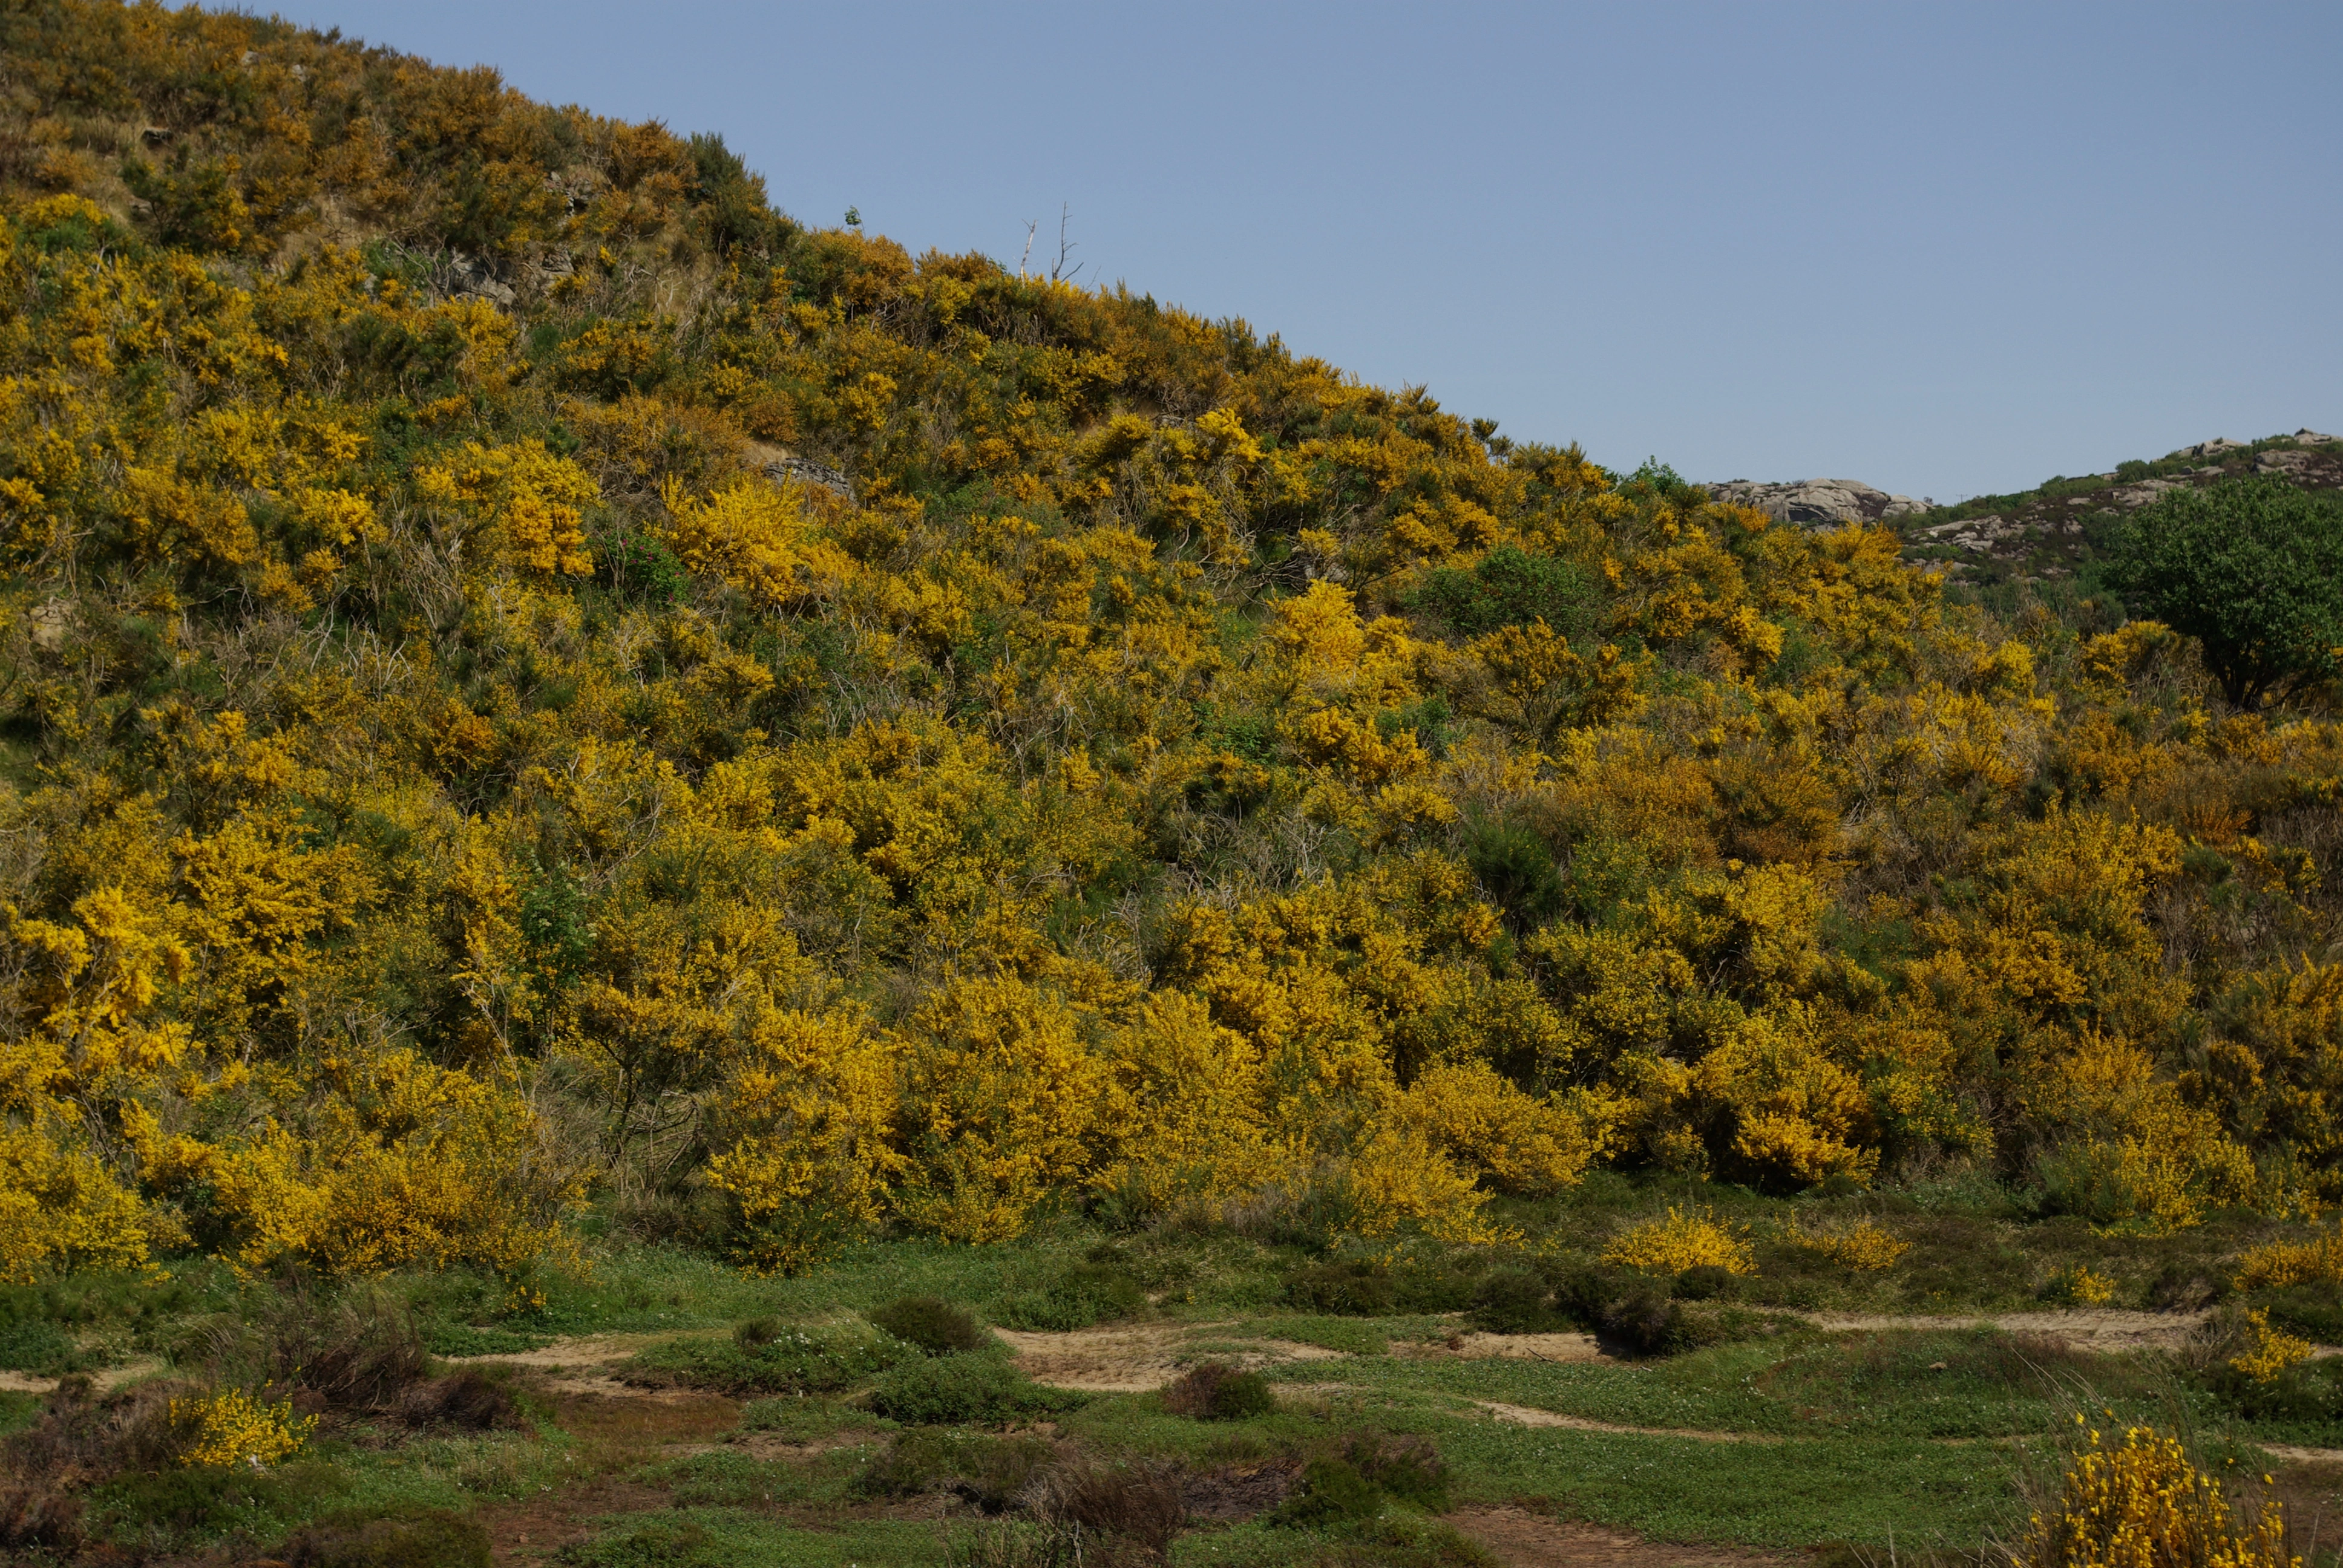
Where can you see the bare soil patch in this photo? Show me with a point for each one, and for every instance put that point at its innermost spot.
(2103, 1331)
(1239, 1490)
(1134, 1358)
(585, 1351)
(1478, 1346)
(1525, 1415)
(1525, 1539)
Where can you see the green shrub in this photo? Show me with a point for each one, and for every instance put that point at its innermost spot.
(1509, 586)
(2313, 1308)
(1402, 1465)
(1703, 1283)
(793, 1359)
(1630, 1308)
(797, 1419)
(964, 1391)
(173, 1501)
(31, 1344)
(1512, 1301)
(1331, 1491)
(1355, 1289)
(987, 1473)
(1081, 1295)
(934, 1325)
(1218, 1392)
(427, 1538)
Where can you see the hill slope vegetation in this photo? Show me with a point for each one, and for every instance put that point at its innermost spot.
(532, 679)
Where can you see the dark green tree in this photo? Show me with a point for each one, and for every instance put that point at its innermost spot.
(2252, 569)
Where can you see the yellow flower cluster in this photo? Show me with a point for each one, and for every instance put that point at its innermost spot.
(1678, 1242)
(2274, 1350)
(2081, 1286)
(2277, 1263)
(2143, 1504)
(1864, 1245)
(231, 1427)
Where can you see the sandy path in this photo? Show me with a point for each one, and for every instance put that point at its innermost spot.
(106, 1378)
(1135, 1358)
(1525, 1415)
(1521, 1539)
(2101, 1329)
(585, 1351)
(1478, 1346)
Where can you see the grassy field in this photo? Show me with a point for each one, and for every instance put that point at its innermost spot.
(662, 1408)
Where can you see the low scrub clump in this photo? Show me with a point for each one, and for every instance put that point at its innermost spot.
(934, 1325)
(1134, 1501)
(964, 1391)
(767, 1357)
(2143, 1503)
(1366, 1288)
(1215, 1390)
(426, 1538)
(1081, 1295)
(990, 1473)
(1357, 1477)
(232, 1427)
(2318, 1259)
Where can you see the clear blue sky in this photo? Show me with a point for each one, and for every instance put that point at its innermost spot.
(1946, 249)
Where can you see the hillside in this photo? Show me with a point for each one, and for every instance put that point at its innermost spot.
(581, 756)
(2058, 532)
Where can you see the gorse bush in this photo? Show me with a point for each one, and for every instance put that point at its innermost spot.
(2144, 1503)
(1682, 1241)
(529, 677)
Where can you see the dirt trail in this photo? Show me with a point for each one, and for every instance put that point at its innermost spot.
(2100, 1330)
(1478, 1346)
(1522, 1539)
(1525, 1415)
(103, 1379)
(1134, 1358)
(585, 1351)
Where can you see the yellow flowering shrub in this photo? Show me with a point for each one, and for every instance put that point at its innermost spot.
(2274, 1350)
(1681, 1242)
(1863, 1246)
(449, 773)
(2144, 1503)
(2278, 1263)
(2083, 1286)
(230, 1427)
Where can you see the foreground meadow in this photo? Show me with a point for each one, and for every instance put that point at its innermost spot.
(1889, 1374)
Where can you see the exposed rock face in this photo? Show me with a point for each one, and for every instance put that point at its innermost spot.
(1817, 502)
(783, 464)
(2041, 534)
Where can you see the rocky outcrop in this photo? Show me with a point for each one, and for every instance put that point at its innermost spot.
(1817, 502)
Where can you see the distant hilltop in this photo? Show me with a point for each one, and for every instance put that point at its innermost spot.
(1830, 502)
(1817, 501)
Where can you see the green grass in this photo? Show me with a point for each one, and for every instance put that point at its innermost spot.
(1858, 1434)
(735, 1538)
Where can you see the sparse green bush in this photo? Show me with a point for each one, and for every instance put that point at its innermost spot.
(966, 1390)
(1081, 1295)
(770, 1358)
(935, 1325)
(1331, 1491)
(1218, 1392)
(428, 1538)
(1513, 1301)
(987, 1473)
